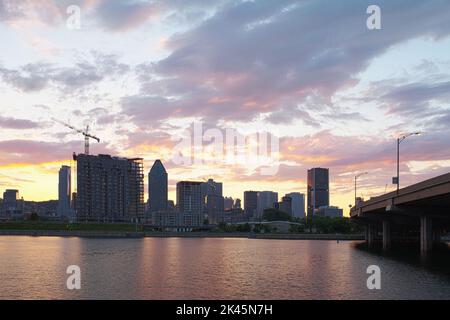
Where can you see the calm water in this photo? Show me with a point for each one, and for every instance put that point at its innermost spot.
(180, 268)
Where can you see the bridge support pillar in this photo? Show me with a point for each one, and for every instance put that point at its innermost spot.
(370, 235)
(426, 234)
(437, 236)
(386, 235)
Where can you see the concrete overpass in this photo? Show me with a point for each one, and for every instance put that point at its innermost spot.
(421, 209)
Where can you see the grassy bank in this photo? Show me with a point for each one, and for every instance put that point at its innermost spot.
(60, 226)
(123, 234)
(57, 228)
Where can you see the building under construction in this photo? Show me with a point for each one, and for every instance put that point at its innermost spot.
(109, 189)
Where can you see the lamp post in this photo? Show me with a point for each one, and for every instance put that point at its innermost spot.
(399, 140)
(356, 178)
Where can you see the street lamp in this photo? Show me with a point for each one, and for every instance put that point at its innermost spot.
(356, 178)
(396, 179)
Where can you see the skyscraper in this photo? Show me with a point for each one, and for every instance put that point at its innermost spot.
(213, 201)
(250, 203)
(157, 187)
(318, 189)
(266, 200)
(228, 203)
(190, 202)
(237, 204)
(12, 205)
(109, 188)
(298, 204)
(64, 192)
(211, 187)
(286, 205)
(189, 197)
(214, 208)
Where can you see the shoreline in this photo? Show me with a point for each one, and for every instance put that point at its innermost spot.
(138, 235)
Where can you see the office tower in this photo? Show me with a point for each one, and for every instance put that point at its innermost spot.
(318, 189)
(329, 211)
(250, 203)
(64, 192)
(237, 204)
(190, 202)
(228, 203)
(189, 196)
(74, 202)
(12, 206)
(211, 187)
(298, 204)
(286, 205)
(214, 208)
(212, 191)
(11, 196)
(157, 187)
(266, 200)
(109, 188)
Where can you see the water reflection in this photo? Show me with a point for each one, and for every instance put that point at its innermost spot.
(179, 268)
(438, 260)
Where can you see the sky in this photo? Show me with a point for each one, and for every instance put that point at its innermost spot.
(141, 74)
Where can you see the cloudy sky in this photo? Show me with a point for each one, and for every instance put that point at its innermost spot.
(141, 72)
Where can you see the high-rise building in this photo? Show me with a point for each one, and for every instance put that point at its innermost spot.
(211, 187)
(189, 196)
(228, 203)
(10, 196)
(318, 189)
(12, 205)
(64, 192)
(212, 192)
(237, 204)
(190, 202)
(157, 187)
(250, 203)
(266, 200)
(286, 205)
(329, 211)
(214, 208)
(298, 204)
(109, 188)
(74, 202)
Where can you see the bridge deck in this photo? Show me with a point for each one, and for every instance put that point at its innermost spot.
(431, 194)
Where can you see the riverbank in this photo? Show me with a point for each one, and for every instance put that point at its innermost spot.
(122, 234)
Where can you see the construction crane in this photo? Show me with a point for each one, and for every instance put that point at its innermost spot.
(85, 133)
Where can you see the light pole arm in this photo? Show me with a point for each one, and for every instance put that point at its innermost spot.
(398, 162)
(399, 140)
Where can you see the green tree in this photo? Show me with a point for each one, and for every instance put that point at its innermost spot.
(261, 228)
(295, 228)
(331, 225)
(275, 215)
(34, 216)
(243, 228)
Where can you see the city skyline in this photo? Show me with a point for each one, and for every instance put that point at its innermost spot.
(107, 185)
(338, 103)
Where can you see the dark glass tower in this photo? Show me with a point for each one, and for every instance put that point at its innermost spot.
(250, 203)
(157, 187)
(318, 189)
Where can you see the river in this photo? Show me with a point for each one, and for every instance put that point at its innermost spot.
(212, 268)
